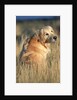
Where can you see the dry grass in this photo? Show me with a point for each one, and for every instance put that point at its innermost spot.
(33, 73)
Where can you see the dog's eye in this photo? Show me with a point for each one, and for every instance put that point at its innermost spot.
(51, 31)
(47, 34)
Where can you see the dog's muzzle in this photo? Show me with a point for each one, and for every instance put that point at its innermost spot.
(52, 39)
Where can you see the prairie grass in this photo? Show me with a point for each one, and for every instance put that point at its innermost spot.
(33, 73)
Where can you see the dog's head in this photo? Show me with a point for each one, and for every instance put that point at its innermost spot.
(47, 34)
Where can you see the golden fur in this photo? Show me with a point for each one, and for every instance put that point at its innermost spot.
(38, 48)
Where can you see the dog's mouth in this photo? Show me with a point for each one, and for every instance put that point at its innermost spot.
(51, 39)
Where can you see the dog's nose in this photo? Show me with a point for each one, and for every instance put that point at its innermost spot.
(55, 37)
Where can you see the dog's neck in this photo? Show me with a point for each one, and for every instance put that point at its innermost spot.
(46, 45)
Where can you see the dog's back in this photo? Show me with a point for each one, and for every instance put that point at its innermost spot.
(36, 52)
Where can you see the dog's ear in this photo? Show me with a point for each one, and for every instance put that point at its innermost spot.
(41, 31)
(37, 37)
(41, 35)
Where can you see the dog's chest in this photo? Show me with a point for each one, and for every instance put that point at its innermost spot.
(48, 47)
(45, 52)
(48, 51)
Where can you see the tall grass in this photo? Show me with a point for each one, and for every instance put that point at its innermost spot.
(49, 73)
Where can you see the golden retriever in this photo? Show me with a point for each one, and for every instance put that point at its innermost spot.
(38, 47)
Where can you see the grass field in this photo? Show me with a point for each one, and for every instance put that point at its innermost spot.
(33, 73)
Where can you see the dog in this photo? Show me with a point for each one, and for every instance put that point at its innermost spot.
(38, 48)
